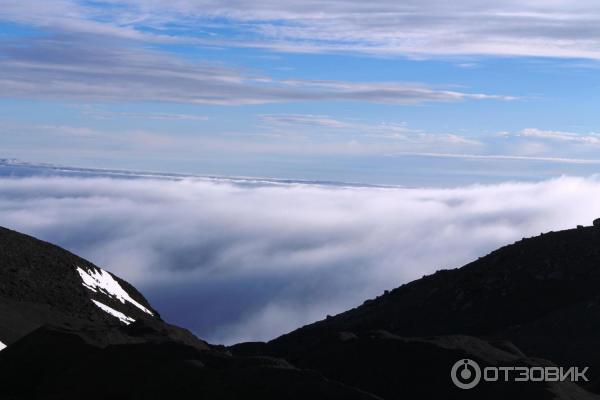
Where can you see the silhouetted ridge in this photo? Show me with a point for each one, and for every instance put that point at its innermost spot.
(76, 331)
(538, 297)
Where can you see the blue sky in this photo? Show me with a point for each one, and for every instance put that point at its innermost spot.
(422, 93)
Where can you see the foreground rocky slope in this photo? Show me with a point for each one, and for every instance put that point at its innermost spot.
(75, 331)
(43, 284)
(538, 292)
(536, 298)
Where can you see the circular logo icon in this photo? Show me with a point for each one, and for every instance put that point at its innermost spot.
(465, 374)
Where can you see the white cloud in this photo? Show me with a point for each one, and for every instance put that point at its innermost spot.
(592, 139)
(248, 261)
(416, 28)
(393, 134)
(68, 68)
(305, 120)
(102, 114)
(505, 157)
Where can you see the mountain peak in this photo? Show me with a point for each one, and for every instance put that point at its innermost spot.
(65, 320)
(41, 283)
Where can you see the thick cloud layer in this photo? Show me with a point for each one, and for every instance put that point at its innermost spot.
(251, 260)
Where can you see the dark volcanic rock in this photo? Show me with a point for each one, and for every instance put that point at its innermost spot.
(56, 363)
(61, 345)
(533, 303)
(537, 292)
(391, 366)
(537, 297)
(39, 283)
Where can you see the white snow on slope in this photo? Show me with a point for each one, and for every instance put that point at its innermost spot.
(122, 317)
(98, 279)
(2, 346)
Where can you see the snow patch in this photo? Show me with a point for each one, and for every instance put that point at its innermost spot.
(2, 346)
(122, 317)
(98, 279)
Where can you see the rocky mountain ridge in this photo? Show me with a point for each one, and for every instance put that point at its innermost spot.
(75, 331)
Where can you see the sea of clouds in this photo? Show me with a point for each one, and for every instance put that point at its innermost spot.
(237, 261)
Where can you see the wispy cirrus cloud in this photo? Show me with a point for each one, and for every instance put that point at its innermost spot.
(415, 28)
(161, 116)
(529, 144)
(45, 68)
(73, 17)
(559, 136)
(503, 157)
(305, 120)
(395, 133)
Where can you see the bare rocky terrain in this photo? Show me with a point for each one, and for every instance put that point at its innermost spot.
(75, 331)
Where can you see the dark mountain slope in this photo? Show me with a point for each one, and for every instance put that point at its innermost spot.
(75, 331)
(516, 292)
(57, 363)
(536, 298)
(40, 283)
